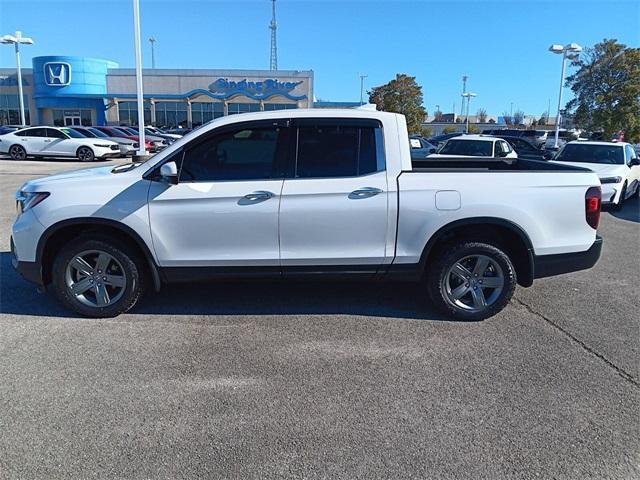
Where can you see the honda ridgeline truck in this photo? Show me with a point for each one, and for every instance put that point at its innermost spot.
(314, 193)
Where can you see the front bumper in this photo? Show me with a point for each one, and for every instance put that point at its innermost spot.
(609, 192)
(550, 265)
(30, 271)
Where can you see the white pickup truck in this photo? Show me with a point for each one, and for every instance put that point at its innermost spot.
(315, 193)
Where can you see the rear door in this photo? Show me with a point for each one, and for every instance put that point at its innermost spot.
(58, 143)
(333, 210)
(33, 140)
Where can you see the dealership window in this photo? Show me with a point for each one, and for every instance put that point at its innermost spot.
(62, 118)
(171, 114)
(10, 109)
(128, 113)
(243, 108)
(279, 106)
(203, 112)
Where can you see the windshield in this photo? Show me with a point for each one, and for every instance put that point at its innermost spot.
(97, 132)
(85, 132)
(72, 133)
(474, 148)
(606, 154)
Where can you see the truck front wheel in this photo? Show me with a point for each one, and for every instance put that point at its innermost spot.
(471, 280)
(98, 277)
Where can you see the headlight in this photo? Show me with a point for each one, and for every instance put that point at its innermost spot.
(27, 200)
(103, 145)
(611, 180)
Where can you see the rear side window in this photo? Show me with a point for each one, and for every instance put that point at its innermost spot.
(32, 132)
(474, 148)
(242, 154)
(338, 150)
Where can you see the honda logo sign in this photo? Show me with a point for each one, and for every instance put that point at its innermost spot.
(57, 74)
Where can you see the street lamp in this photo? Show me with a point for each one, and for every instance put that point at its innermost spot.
(152, 41)
(468, 96)
(362, 77)
(17, 39)
(142, 151)
(559, 49)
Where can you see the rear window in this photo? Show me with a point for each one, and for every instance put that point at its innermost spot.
(338, 151)
(584, 153)
(474, 148)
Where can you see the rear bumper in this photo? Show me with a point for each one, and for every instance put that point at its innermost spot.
(550, 265)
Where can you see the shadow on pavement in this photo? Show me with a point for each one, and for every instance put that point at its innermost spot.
(630, 210)
(375, 299)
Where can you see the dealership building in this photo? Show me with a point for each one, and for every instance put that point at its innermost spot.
(65, 90)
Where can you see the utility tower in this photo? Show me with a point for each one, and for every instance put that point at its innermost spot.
(273, 62)
(464, 90)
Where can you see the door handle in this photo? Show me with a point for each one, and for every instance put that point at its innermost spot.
(365, 192)
(47, 141)
(259, 195)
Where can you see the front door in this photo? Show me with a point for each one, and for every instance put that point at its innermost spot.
(224, 210)
(333, 212)
(72, 120)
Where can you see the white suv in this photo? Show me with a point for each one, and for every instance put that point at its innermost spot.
(56, 142)
(616, 163)
(475, 146)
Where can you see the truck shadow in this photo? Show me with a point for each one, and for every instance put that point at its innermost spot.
(393, 300)
(630, 210)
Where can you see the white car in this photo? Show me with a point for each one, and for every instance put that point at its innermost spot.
(475, 146)
(56, 142)
(306, 192)
(616, 163)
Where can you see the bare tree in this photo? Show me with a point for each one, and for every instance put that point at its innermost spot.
(507, 117)
(518, 117)
(481, 115)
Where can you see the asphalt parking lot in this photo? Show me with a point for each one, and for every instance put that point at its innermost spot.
(308, 380)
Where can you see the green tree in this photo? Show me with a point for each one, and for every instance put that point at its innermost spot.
(426, 132)
(401, 95)
(449, 129)
(473, 128)
(606, 90)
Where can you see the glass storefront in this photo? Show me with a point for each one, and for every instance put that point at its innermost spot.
(171, 114)
(10, 109)
(203, 112)
(128, 113)
(66, 118)
(279, 106)
(243, 108)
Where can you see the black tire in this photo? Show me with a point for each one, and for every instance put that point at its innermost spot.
(500, 269)
(126, 263)
(17, 152)
(618, 206)
(85, 154)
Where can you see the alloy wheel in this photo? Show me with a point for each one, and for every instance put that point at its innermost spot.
(95, 278)
(473, 283)
(17, 152)
(85, 154)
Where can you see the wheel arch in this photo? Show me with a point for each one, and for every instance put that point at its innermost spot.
(508, 235)
(55, 236)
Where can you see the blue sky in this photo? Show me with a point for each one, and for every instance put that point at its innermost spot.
(501, 45)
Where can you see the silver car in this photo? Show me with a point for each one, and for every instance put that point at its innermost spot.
(127, 146)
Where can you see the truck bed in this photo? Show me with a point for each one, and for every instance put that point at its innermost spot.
(492, 164)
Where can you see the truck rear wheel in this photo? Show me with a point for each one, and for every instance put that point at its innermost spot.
(97, 277)
(471, 280)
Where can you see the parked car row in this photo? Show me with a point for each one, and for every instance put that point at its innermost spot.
(616, 163)
(82, 142)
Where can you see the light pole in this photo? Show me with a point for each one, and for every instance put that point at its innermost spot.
(142, 151)
(152, 41)
(468, 96)
(362, 77)
(436, 113)
(17, 39)
(559, 49)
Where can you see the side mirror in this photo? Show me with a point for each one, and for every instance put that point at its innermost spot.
(634, 162)
(547, 155)
(169, 173)
(432, 150)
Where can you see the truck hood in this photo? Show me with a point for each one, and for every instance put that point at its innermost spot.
(602, 169)
(95, 175)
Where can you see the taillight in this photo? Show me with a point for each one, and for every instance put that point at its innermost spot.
(592, 204)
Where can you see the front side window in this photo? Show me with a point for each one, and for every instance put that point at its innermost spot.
(246, 154)
(53, 133)
(631, 154)
(473, 148)
(338, 151)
